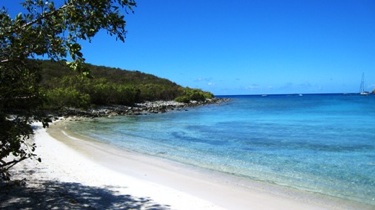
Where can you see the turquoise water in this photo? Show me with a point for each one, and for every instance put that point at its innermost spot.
(318, 143)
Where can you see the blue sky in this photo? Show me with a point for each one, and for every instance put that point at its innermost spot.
(247, 46)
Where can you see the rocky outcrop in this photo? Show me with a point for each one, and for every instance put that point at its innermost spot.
(138, 109)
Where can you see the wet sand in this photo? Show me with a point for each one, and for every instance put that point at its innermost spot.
(69, 157)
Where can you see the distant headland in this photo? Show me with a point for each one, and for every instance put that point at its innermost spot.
(113, 91)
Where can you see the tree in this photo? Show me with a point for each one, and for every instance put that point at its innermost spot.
(53, 31)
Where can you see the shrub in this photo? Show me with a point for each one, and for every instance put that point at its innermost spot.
(67, 97)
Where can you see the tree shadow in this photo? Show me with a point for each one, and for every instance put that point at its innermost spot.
(68, 195)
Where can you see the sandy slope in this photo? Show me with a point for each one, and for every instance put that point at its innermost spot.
(76, 174)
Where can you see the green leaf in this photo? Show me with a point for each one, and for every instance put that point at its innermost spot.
(56, 33)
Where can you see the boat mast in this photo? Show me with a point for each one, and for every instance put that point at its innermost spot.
(361, 86)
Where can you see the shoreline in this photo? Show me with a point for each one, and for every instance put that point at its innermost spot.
(148, 107)
(212, 186)
(69, 157)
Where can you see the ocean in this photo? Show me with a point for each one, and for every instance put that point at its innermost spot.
(318, 143)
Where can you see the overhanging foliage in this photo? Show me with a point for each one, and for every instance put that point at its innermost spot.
(52, 31)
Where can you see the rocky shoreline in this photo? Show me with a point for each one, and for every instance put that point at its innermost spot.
(152, 107)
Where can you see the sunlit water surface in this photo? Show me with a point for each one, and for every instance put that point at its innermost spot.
(318, 143)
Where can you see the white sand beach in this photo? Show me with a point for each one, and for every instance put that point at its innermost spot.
(77, 173)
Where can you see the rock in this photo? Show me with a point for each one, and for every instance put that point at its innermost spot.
(153, 107)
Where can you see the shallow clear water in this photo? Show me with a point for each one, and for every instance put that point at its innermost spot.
(318, 143)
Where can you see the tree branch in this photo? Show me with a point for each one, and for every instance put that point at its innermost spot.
(44, 16)
(8, 165)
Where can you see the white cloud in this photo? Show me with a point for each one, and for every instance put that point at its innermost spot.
(203, 79)
(253, 87)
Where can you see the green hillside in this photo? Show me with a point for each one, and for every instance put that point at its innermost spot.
(108, 86)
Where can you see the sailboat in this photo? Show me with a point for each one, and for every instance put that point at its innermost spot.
(362, 91)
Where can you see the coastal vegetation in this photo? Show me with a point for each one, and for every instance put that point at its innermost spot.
(108, 86)
(54, 32)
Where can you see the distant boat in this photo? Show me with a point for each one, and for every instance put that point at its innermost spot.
(362, 91)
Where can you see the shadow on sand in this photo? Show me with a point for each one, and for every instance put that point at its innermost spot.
(67, 195)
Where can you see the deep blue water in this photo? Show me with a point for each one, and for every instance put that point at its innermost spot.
(318, 143)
